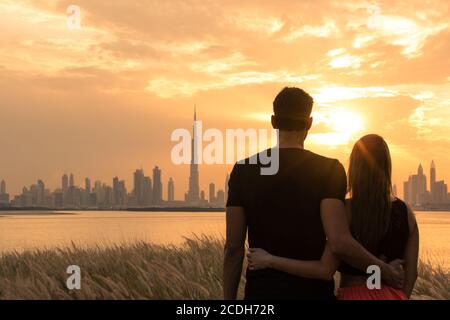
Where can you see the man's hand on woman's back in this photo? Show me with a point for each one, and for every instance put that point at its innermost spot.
(393, 274)
(344, 246)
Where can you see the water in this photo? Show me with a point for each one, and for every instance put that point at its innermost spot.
(39, 230)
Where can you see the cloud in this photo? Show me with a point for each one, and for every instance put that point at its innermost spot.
(346, 61)
(409, 33)
(330, 94)
(325, 30)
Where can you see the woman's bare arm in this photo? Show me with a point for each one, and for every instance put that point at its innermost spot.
(411, 255)
(323, 269)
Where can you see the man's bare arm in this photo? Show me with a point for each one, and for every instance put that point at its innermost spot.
(234, 251)
(343, 245)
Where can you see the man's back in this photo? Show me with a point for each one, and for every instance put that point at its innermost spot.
(283, 217)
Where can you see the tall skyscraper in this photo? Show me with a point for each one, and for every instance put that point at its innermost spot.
(40, 193)
(108, 195)
(148, 191)
(116, 191)
(171, 190)
(439, 189)
(432, 173)
(3, 187)
(433, 181)
(212, 193)
(99, 193)
(122, 193)
(415, 189)
(157, 186)
(4, 197)
(71, 181)
(65, 183)
(440, 193)
(407, 190)
(220, 201)
(138, 190)
(422, 184)
(194, 185)
(87, 185)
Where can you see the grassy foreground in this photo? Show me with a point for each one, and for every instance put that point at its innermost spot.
(144, 271)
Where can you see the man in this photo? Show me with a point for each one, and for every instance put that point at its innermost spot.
(291, 213)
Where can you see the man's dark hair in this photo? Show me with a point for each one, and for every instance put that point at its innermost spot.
(292, 108)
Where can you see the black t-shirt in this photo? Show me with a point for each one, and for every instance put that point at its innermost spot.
(283, 217)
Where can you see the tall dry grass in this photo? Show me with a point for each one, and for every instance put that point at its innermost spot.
(144, 271)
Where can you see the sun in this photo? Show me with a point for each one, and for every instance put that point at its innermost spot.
(342, 127)
(347, 122)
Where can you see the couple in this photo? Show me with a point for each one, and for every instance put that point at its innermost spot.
(302, 229)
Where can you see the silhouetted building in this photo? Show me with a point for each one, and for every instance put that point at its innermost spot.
(138, 190)
(416, 194)
(4, 197)
(87, 185)
(439, 190)
(116, 191)
(93, 199)
(202, 196)
(148, 191)
(58, 199)
(108, 196)
(171, 190)
(415, 189)
(440, 193)
(157, 186)
(212, 193)
(432, 177)
(194, 185)
(123, 198)
(40, 197)
(65, 183)
(99, 193)
(71, 181)
(3, 187)
(220, 201)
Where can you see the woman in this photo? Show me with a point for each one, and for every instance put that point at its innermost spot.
(383, 224)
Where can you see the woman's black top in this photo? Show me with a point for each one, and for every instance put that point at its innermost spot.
(393, 244)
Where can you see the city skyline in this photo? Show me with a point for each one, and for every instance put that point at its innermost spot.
(149, 191)
(143, 193)
(146, 192)
(192, 183)
(420, 192)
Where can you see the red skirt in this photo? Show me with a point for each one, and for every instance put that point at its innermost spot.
(364, 293)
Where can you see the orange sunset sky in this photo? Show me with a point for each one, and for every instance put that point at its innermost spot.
(103, 100)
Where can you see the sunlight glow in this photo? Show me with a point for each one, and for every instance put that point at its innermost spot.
(341, 126)
(345, 61)
(347, 122)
